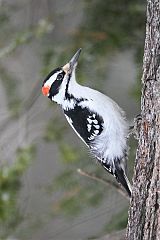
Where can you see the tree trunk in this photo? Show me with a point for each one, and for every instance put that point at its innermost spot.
(144, 212)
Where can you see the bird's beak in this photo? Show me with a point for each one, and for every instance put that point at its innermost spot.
(74, 59)
(68, 68)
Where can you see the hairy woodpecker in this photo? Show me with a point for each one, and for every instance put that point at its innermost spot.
(96, 118)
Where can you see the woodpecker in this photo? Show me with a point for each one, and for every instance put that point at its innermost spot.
(98, 120)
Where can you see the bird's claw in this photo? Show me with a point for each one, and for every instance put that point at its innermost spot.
(135, 128)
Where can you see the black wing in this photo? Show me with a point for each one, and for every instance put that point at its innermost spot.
(86, 123)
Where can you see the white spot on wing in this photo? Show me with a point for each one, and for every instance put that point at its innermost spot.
(96, 132)
(89, 127)
(95, 121)
(91, 137)
(89, 120)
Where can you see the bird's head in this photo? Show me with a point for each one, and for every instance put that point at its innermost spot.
(56, 81)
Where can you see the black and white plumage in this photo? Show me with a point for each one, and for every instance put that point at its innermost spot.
(96, 118)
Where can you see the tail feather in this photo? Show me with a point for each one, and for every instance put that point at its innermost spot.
(123, 180)
(120, 175)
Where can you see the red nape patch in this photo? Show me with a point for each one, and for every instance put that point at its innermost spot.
(45, 90)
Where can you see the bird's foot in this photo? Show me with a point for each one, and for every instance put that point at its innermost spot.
(135, 129)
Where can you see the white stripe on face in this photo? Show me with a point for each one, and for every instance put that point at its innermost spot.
(53, 78)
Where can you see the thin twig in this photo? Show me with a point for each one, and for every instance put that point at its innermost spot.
(105, 182)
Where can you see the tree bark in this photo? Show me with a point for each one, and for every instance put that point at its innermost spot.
(144, 212)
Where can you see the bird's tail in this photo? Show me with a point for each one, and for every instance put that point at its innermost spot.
(122, 179)
(119, 174)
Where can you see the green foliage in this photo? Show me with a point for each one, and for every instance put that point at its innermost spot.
(55, 130)
(69, 154)
(76, 191)
(25, 37)
(10, 85)
(10, 184)
(118, 222)
(77, 194)
(74, 201)
(4, 20)
(4, 17)
(113, 25)
(135, 92)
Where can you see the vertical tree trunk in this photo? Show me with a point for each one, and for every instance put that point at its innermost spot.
(144, 212)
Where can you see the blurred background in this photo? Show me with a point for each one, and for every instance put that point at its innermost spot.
(42, 196)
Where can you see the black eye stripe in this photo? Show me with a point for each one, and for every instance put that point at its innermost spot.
(52, 73)
(60, 76)
(56, 84)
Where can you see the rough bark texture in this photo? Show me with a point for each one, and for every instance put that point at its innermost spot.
(144, 212)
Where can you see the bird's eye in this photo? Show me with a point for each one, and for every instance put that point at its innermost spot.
(59, 77)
